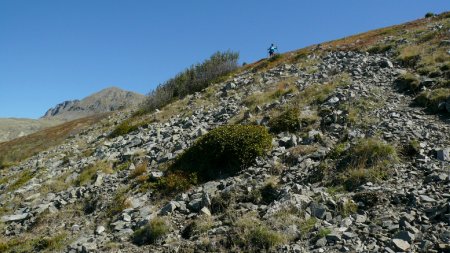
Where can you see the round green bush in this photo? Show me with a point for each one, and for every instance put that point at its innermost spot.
(224, 151)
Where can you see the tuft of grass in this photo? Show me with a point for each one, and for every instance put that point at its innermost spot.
(323, 232)
(138, 171)
(252, 234)
(174, 182)
(151, 233)
(39, 244)
(197, 227)
(379, 49)
(369, 160)
(409, 56)
(22, 179)
(119, 203)
(88, 173)
(347, 208)
(432, 99)
(408, 82)
(126, 127)
(288, 121)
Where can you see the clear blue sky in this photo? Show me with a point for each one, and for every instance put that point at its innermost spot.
(54, 50)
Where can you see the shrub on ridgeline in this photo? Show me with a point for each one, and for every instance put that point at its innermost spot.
(224, 151)
(193, 79)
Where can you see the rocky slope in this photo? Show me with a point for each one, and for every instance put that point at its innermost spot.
(106, 100)
(92, 193)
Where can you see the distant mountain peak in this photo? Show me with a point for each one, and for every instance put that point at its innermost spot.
(106, 100)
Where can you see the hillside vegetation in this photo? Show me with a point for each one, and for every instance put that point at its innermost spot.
(338, 147)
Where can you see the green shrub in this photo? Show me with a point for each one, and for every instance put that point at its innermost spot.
(431, 99)
(408, 82)
(151, 233)
(379, 49)
(124, 128)
(411, 149)
(287, 121)
(429, 15)
(323, 232)
(224, 151)
(193, 79)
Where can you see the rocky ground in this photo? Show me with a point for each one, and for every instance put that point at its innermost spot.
(57, 193)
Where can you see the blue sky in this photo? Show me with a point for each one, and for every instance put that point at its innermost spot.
(53, 50)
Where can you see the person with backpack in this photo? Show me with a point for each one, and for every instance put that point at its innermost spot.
(272, 49)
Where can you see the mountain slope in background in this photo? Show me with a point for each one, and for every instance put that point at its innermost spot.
(11, 128)
(107, 100)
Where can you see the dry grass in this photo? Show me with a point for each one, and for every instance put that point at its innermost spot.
(21, 148)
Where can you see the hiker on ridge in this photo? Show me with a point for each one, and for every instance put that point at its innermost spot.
(272, 49)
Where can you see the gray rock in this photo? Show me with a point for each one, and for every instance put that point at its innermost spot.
(443, 154)
(99, 230)
(14, 217)
(169, 208)
(195, 205)
(426, 198)
(205, 211)
(406, 236)
(126, 217)
(333, 237)
(400, 244)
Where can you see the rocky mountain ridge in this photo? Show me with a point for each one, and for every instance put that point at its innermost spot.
(106, 100)
(98, 194)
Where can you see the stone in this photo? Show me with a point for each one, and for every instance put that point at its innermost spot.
(360, 218)
(321, 242)
(14, 217)
(443, 154)
(426, 198)
(98, 180)
(318, 211)
(205, 211)
(126, 217)
(386, 64)
(230, 86)
(333, 237)
(99, 230)
(154, 175)
(169, 208)
(400, 244)
(406, 236)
